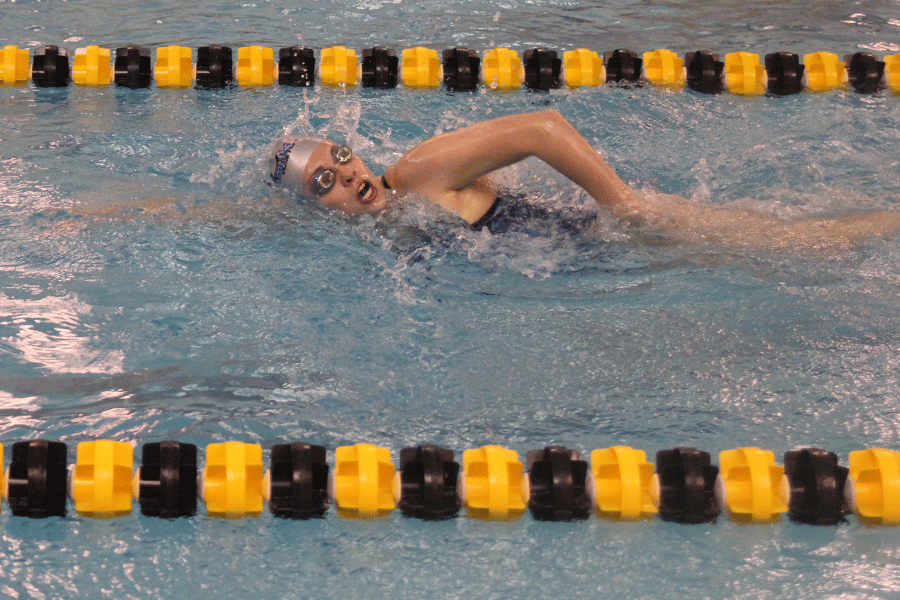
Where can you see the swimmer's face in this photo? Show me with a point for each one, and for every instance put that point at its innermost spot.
(355, 190)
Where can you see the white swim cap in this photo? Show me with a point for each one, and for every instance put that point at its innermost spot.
(289, 159)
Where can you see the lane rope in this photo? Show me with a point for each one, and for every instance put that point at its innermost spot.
(456, 69)
(553, 484)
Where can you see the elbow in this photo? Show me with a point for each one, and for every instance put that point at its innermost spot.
(553, 123)
(552, 116)
(555, 114)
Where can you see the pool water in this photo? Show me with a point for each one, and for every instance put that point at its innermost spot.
(230, 314)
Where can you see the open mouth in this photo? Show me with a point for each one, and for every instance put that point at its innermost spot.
(366, 193)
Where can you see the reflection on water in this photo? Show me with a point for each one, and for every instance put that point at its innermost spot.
(48, 332)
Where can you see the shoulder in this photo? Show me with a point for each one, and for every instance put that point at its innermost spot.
(470, 202)
(393, 178)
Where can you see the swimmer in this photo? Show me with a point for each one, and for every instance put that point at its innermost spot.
(453, 170)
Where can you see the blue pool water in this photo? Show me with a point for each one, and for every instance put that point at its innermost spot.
(234, 315)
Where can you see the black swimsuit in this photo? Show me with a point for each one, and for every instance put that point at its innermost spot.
(488, 217)
(512, 212)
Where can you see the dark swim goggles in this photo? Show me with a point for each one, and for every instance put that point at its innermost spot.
(324, 179)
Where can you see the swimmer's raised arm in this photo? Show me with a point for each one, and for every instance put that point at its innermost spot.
(457, 161)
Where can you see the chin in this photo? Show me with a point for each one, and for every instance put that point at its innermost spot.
(371, 209)
(358, 210)
(376, 206)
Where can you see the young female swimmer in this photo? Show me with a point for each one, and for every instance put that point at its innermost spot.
(452, 170)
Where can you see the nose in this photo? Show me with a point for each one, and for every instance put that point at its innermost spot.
(345, 174)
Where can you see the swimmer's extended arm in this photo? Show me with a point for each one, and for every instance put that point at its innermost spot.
(454, 161)
(681, 218)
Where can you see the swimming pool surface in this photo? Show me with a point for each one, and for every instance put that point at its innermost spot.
(233, 315)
